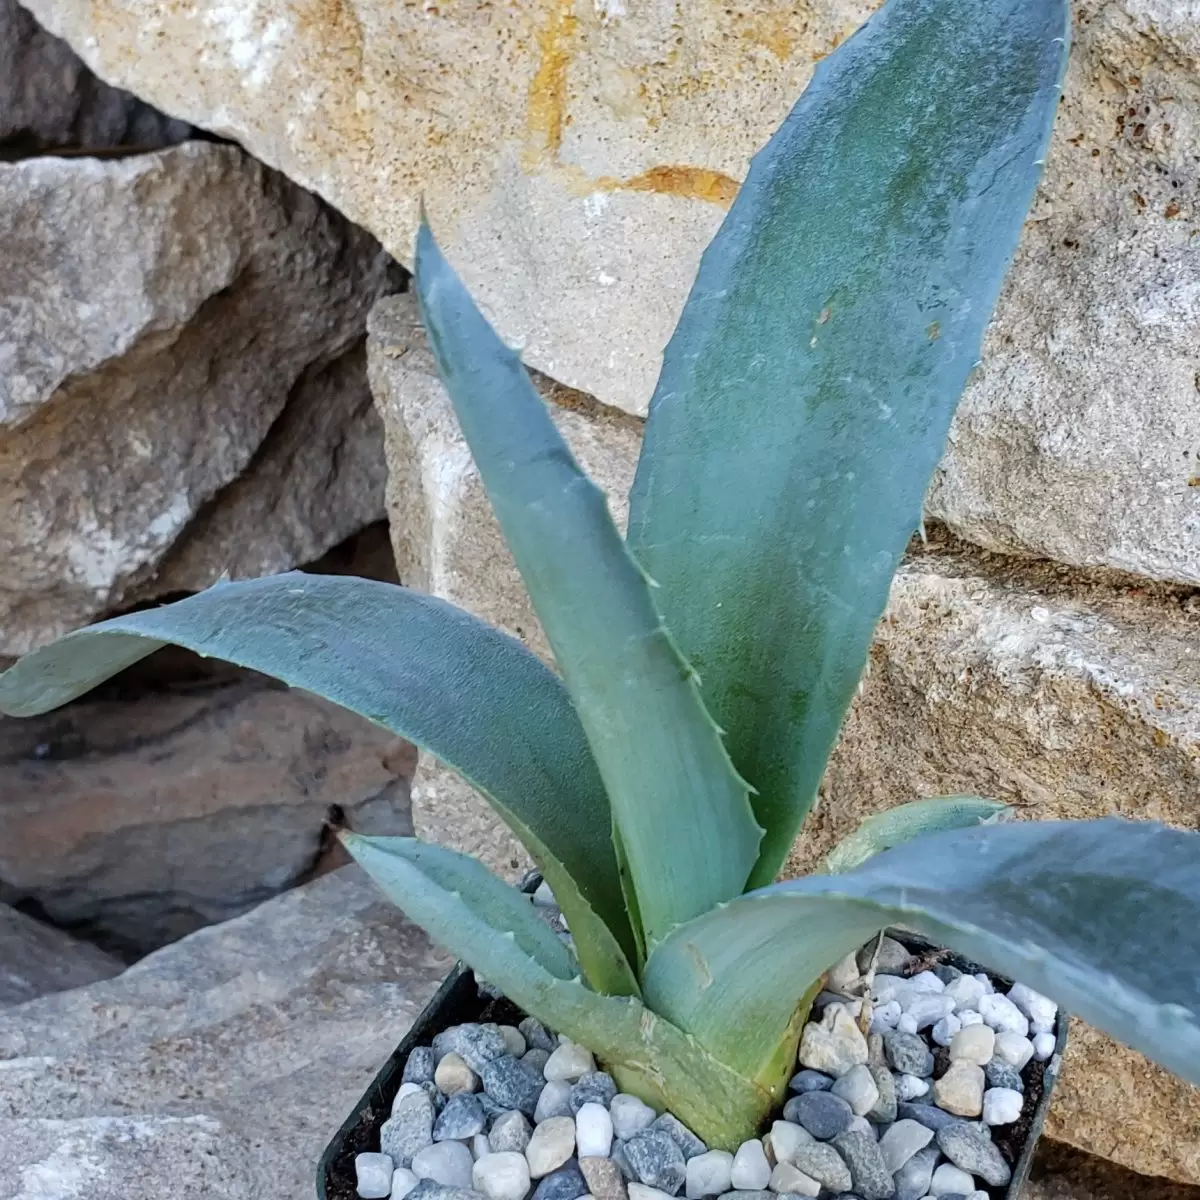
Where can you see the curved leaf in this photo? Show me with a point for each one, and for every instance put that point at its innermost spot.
(647, 1054)
(421, 878)
(1102, 916)
(907, 821)
(676, 798)
(806, 393)
(472, 696)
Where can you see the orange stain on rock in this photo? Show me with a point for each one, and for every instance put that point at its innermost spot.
(694, 183)
(546, 112)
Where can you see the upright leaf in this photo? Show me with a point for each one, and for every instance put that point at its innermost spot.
(472, 696)
(686, 827)
(1102, 916)
(806, 393)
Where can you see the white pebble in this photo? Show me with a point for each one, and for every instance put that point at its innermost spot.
(639, 1191)
(949, 1180)
(927, 1009)
(1014, 1049)
(909, 1087)
(554, 1101)
(750, 1171)
(926, 981)
(453, 1075)
(1001, 1106)
(708, 1174)
(1003, 1015)
(479, 1146)
(593, 1131)
(629, 1115)
(403, 1182)
(514, 1040)
(861, 1125)
(503, 1176)
(985, 980)
(787, 1179)
(373, 1175)
(968, 1016)
(1040, 1010)
(785, 1138)
(907, 1023)
(1043, 1046)
(543, 897)
(406, 1089)
(553, 1142)
(980, 1195)
(974, 1044)
(945, 1029)
(885, 1016)
(859, 1090)
(447, 1163)
(965, 991)
(569, 1062)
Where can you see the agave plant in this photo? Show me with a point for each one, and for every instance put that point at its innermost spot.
(707, 659)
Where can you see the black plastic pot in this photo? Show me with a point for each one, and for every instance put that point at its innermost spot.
(458, 1000)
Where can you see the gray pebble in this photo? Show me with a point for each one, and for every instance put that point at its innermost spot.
(908, 1054)
(824, 1164)
(537, 1036)
(476, 1044)
(461, 1118)
(656, 1160)
(619, 1156)
(512, 1083)
(408, 1130)
(510, 1131)
(491, 1108)
(883, 1111)
(689, 1144)
(912, 1180)
(872, 1180)
(821, 1113)
(929, 1115)
(419, 1067)
(537, 1058)
(743, 1194)
(972, 1150)
(427, 1189)
(946, 973)
(998, 1073)
(810, 1081)
(567, 1183)
(596, 1087)
(891, 960)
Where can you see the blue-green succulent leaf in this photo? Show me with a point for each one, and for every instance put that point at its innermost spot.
(470, 695)
(686, 827)
(1101, 916)
(806, 393)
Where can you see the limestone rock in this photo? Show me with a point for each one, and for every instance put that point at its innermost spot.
(49, 99)
(183, 792)
(1079, 439)
(171, 323)
(447, 540)
(37, 959)
(219, 1066)
(576, 158)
